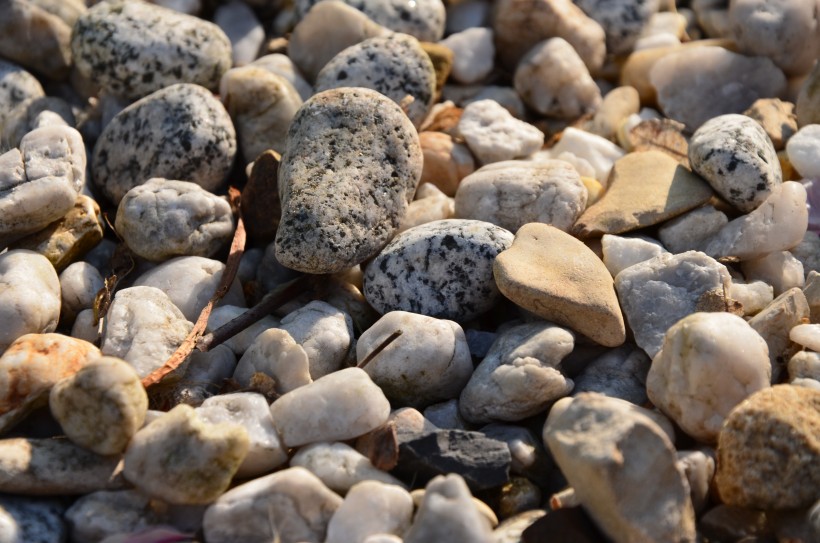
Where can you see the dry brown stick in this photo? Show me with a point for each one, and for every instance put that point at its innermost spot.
(228, 275)
(379, 348)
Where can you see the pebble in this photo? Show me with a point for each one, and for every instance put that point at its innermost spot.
(599, 152)
(84, 327)
(430, 205)
(811, 289)
(246, 34)
(802, 149)
(709, 363)
(734, 82)
(180, 458)
(278, 357)
(370, 508)
(511, 194)
(780, 269)
(144, 328)
(26, 23)
(79, 284)
(240, 342)
(251, 411)
(204, 375)
(36, 113)
(618, 373)
(54, 467)
(131, 49)
(447, 513)
(735, 155)
(101, 406)
(808, 251)
(396, 66)
(621, 252)
(400, 278)
(776, 117)
(40, 181)
(645, 189)
(754, 296)
(775, 321)
(474, 54)
(622, 467)
(102, 514)
(162, 218)
(282, 65)
(493, 135)
(560, 279)
(446, 415)
(807, 335)
(657, 293)
(807, 106)
(622, 20)
(343, 405)
(340, 467)
(520, 376)
(324, 332)
(429, 362)
(30, 299)
(773, 434)
(520, 24)
(342, 198)
(261, 104)
(17, 86)
(779, 223)
(689, 231)
(699, 468)
(171, 145)
(617, 105)
(446, 161)
(804, 365)
(291, 504)
(31, 520)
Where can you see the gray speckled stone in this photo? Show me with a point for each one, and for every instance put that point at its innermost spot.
(734, 154)
(622, 20)
(395, 65)
(350, 170)
(182, 132)
(442, 269)
(16, 86)
(132, 49)
(31, 520)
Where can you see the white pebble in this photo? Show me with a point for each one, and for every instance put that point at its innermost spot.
(474, 54)
(324, 332)
(780, 269)
(340, 466)
(621, 252)
(599, 152)
(370, 508)
(276, 355)
(493, 135)
(803, 149)
(79, 284)
(807, 335)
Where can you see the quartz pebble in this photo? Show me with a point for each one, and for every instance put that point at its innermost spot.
(132, 49)
(239, 23)
(780, 269)
(599, 152)
(753, 296)
(804, 365)
(399, 278)
(340, 467)
(241, 341)
(511, 194)
(621, 252)
(163, 218)
(494, 135)
(553, 80)
(277, 356)
(802, 149)
(474, 53)
(324, 332)
(622, 20)
(807, 335)
(370, 507)
(36, 113)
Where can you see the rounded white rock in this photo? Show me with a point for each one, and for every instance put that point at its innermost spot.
(79, 284)
(474, 54)
(803, 149)
(324, 332)
(371, 508)
(493, 134)
(276, 355)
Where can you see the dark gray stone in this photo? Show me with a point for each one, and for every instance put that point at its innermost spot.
(31, 520)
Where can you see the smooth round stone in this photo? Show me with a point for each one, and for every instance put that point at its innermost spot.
(31, 520)
(276, 355)
(251, 411)
(282, 65)
(493, 134)
(25, 23)
(340, 467)
(511, 194)
(189, 282)
(182, 459)
(446, 161)
(262, 105)
(370, 508)
(802, 149)
(428, 363)
(79, 284)
(105, 513)
(349, 172)
(474, 54)
(709, 363)
(163, 218)
(424, 270)
(395, 66)
(773, 435)
(171, 144)
(246, 34)
(735, 155)
(16, 87)
(520, 375)
(324, 332)
(85, 328)
(101, 406)
(622, 20)
(732, 81)
(553, 80)
(807, 335)
(132, 49)
(804, 365)
(343, 405)
(30, 298)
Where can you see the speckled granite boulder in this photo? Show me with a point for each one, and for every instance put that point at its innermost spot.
(395, 66)
(170, 143)
(349, 172)
(442, 269)
(132, 49)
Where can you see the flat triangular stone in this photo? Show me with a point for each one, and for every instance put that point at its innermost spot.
(560, 279)
(645, 188)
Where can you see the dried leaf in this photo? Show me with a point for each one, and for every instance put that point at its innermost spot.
(664, 135)
(381, 446)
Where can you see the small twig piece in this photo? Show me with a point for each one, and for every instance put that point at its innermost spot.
(563, 499)
(382, 346)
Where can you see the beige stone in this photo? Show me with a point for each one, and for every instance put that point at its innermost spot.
(560, 279)
(446, 162)
(776, 117)
(617, 105)
(644, 189)
(25, 23)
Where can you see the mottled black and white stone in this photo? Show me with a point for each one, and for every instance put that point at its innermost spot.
(180, 132)
(16, 86)
(31, 520)
(735, 155)
(349, 171)
(132, 49)
(395, 65)
(423, 19)
(442, 269)
(622, 20)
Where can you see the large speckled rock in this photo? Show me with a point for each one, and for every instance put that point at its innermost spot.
(132, 49)
(24, 23)
(163, 218)
(622, 20)
(349, 172)
(395, 66)
(772, 436)
(735, 155)
(442, 269)
(16, 86)
(182, 132)
(514, 193)
(560, 279)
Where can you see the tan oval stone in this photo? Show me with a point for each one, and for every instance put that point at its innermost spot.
(446, 162)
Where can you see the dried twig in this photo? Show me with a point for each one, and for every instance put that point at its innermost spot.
(379, 348)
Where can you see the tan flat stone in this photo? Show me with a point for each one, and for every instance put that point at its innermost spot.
(560, 279)
(645, 188)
